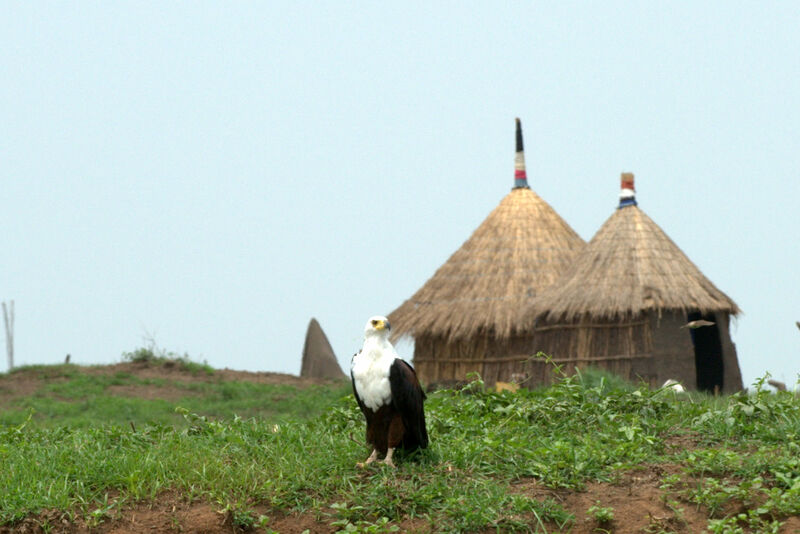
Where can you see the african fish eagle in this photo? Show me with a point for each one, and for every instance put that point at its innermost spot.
(388, 392)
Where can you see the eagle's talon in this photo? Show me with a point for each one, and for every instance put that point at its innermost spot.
(388, 459)
(372, 458)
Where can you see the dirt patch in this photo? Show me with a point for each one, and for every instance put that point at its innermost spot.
(636, 507)
(23, 384)
(682, 442)
(635, 500)
(170, 513)
(791, 526)
(639, 506)
(175, 370)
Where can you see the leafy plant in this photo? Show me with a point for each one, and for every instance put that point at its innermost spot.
(602, 514)
(379, 526)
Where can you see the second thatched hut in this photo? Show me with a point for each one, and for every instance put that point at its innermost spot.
(468, 316)
(630, 303)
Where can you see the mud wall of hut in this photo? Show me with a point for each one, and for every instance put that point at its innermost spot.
(733, 375)
(622, 347)
(441, 361)
(672, 352)
(651, 348)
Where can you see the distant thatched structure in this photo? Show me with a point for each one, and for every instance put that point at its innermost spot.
(624, 300)
(467, 317)
(319, 361)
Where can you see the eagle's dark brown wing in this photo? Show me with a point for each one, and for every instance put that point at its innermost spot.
(408, 399)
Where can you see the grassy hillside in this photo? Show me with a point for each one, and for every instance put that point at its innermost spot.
(589, 454)
(149, 391)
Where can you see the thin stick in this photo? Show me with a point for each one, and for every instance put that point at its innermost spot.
(8, 319)
(359, 443)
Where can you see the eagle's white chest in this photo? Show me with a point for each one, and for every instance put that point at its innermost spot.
(371, 369)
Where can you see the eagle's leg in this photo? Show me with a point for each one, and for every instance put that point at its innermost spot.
(372, 458)
(388, 459)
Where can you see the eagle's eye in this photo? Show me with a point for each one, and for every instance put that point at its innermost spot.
(374, 322)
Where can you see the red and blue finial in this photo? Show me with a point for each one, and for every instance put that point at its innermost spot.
(520, 178)
(627, 194)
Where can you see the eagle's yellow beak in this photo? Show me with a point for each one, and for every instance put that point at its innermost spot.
(380, 324)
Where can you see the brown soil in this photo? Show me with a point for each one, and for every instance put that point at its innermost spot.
(174, 370)
(638, 506)
(168, 514)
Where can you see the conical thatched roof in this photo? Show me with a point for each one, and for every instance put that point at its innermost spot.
(319, 361)
(520, 249)
(630, 266)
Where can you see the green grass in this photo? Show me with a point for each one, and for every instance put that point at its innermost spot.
(72, 398)
(744, 469)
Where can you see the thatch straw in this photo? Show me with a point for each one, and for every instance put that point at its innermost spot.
(630, 266)
(520, 249)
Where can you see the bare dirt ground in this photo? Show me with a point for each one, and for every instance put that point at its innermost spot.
(638, 508)
(639, 504)
(172, 370)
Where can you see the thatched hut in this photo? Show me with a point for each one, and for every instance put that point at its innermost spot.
(467, 317)
(628, 304)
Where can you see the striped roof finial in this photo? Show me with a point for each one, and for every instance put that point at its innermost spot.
(520, 178)
(627, 194)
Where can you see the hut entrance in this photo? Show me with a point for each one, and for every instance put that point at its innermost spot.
(707, 354)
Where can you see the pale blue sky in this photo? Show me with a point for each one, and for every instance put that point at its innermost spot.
(214, 174)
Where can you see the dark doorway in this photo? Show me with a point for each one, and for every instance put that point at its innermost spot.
(707, 354)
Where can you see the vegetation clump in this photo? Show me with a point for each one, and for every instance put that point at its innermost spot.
(603, 515)
(153, 355)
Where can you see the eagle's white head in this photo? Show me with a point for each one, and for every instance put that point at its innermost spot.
(377, 326)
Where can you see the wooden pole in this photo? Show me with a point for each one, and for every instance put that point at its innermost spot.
(8, 318)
